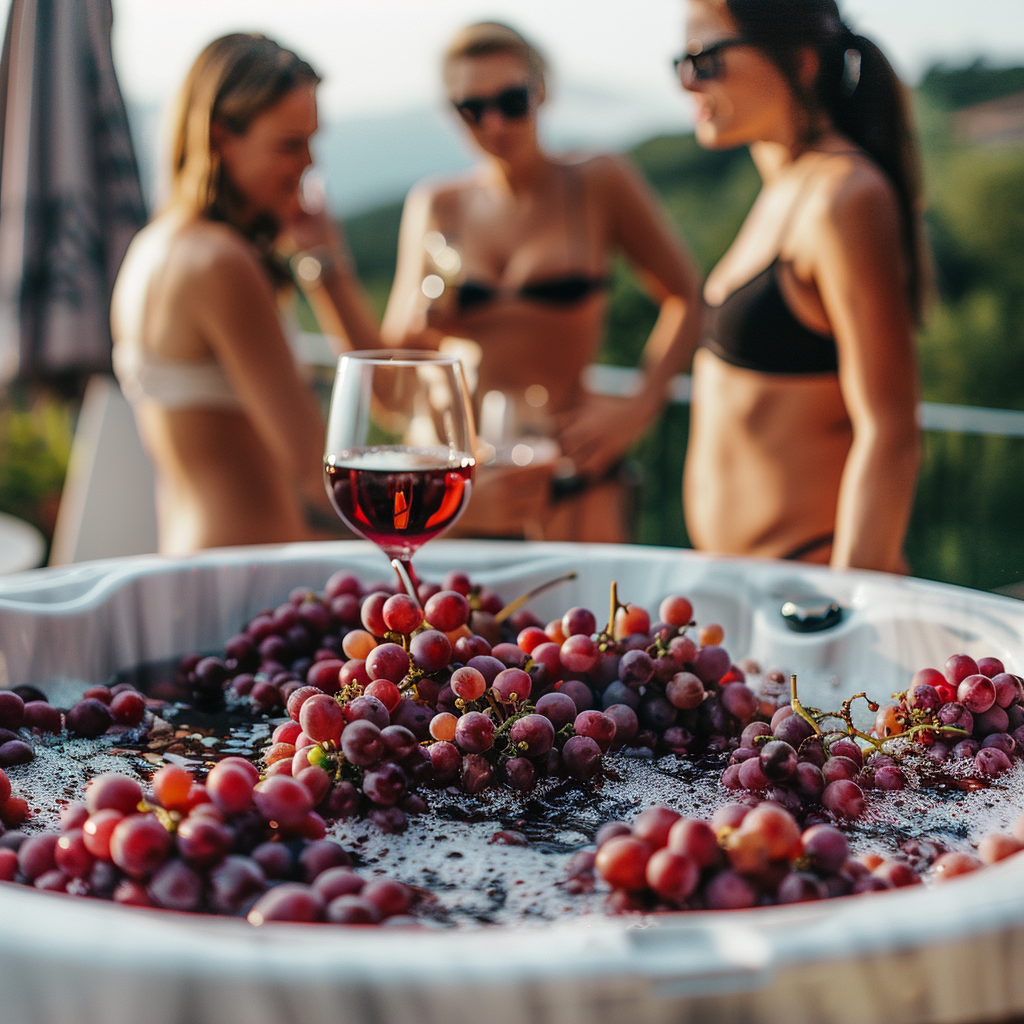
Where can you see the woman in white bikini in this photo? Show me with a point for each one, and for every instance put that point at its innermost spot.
(516, 256)
(234, 433)
(803, 440)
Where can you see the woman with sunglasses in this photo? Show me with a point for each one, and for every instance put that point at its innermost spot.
(803, 441)
(233, 430)
(516, 256)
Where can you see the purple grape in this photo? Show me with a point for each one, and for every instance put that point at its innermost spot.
(1008, 690)
(578, 621)
(321, 855)
(521, 774)
(445, 759)
(656, 713)
(399, 742)
(12, 710)
(361, 743)
(741, 754)
(618, 692)
(626, 723)
(15, 752)
(512, 685)
(430, 650)
(387, 661)
(274, 859)
(415, 717)
(289, 902)
(582, 757)
(677, 739)
(636, 668)
(203, 841)
(581, 695)
(386, 784)
(42, 717)
(966, 749)
(474, 733)
(535, 734)
(176, 886)
(977, 693)
(800, 887)
(991, 761)
(839, 768)
(233, 883)
(510, 655)
(748, 738)
(599, 727)
(778, 761)
(792, 730)
(739, 700)
(368, 709)
(729, 890)
(731, 777)
(36, 855)
(752, 777)
(844, 798)
(487, 666)
(889, 777)
(477, 773)
(711, 663)
(991, 721)
(847, 748)
(813, 752)
(923, 697)
(389, 819)
(826, 848)
(558, 707)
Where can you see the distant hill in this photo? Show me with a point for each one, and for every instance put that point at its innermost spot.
(954, 88)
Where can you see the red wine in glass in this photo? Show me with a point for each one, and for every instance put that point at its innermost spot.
(398, 497)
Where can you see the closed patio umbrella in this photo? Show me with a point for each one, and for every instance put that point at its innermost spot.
(70, 198)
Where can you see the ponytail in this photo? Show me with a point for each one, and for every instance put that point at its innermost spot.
(860, 93)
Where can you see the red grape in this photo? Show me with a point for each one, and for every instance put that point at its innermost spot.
(139, 844)
(402, 614)
(447, 610)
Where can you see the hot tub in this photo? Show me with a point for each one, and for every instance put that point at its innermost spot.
(953, 953)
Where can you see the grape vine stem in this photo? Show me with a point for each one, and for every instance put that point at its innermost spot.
(514, 606)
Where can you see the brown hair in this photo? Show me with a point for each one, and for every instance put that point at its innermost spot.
(233, 80)
(486, 37)
(860, 93)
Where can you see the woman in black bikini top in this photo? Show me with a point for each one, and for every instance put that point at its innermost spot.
(803, 440)
(516, 257)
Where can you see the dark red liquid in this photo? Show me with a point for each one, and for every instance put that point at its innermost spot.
(399, 509)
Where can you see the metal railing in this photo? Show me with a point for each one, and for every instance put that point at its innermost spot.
(621, 381)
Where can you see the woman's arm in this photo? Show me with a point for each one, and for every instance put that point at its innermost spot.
(233, 308)
(639, 227)
(861, 274)
(329, 281)
(405, 319)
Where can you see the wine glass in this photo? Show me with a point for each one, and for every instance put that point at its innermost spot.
(400, 460)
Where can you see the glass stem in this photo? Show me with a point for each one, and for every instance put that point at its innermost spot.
(407, 577)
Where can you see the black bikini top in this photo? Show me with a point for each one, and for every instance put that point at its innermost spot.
(568, 290)
(754, 328)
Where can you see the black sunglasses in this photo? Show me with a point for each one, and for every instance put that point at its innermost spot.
(706, 64)
(512, 104)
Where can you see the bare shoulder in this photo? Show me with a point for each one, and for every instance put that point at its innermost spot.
(608, 170)
(202, 246)
(855, 194)
(437, 199)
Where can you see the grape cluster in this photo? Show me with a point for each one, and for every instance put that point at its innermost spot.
(753, 856)
(234, 845)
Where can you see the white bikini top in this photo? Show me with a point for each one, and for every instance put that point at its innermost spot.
(171, 383)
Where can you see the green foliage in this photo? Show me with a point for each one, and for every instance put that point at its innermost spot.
(955, 88)
(35, 443)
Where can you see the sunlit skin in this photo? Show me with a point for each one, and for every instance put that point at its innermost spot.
(774, 460)
(517, 219)
(236, 476)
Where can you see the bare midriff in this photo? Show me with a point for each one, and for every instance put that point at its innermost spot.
(219, 485)
(765, 457)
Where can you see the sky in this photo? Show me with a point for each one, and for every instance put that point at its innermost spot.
(382, 55)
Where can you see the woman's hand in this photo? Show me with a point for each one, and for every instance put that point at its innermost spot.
(603, 430)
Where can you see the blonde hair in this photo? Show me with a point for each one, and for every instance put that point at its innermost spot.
(233, 80)
(486, 37)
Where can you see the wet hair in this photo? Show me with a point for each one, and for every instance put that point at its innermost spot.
(487, 37)
(857, 89)
(232, 81)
